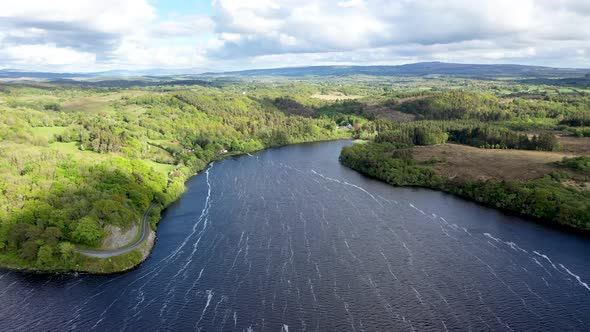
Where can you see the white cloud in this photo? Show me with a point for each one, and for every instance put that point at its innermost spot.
(46, 55)
(351, 3)
(112, 16)
(86, 35)
(90, 35)
(185, 26)
(474, 31)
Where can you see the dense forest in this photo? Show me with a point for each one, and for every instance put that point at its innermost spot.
(73, 161)
(473, 133)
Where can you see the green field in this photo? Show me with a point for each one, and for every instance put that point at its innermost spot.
(47, 132)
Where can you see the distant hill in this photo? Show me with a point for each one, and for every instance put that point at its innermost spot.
(409, 70)
(13, 73)
(123, 83)
(576, 82)
(420, 69)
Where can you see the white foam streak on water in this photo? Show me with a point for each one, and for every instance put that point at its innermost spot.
(350, 318)
(389, 266)
(203, 212)
(491, 237)
(418, 296)
(201, 220)
(542, 266)
(510, 244)
(102, 315)
(317, 269)
(325, 177)
(315, 299)
(363, 190)
(409, 252)
(7, 288)
(200, 274)
(490, 243)
(547, 258)
(417, 209)
(516, 247)
(203, 217)
(583, 284)
(348, 184)
(209, 297)
(445, 232)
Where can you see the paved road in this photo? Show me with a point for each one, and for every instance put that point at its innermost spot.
(145, 228)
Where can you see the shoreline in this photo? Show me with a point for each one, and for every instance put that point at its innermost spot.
(137, 263)
(144, 234)
(539, 221)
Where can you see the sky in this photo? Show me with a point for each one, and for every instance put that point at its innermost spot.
(98, 35)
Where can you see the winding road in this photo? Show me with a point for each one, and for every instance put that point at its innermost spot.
(115, 252)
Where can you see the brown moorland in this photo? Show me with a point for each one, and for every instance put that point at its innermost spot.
(466, 162)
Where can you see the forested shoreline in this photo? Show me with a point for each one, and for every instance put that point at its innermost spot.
(545, 199)
(491, 121)
(68, 174)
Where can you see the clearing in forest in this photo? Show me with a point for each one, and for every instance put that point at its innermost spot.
(454, 160)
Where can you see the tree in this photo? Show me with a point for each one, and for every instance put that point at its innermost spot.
(21, 233)
(29, 250)
(87, 231)
(66, 249)
(51, 236)
(4, 230)
(547, 142)
(45, 255)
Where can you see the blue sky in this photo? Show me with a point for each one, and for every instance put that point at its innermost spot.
(171, 8)
(89, 35)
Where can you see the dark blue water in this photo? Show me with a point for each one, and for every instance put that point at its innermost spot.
(287, 239)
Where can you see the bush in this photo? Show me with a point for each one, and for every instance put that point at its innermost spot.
(87, 231)
(580, 164)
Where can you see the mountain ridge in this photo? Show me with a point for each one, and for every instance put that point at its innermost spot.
(411, 69)
(418, 69)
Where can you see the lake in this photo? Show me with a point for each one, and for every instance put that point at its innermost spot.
(288, 239)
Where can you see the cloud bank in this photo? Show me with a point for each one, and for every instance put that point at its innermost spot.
(87, 35)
